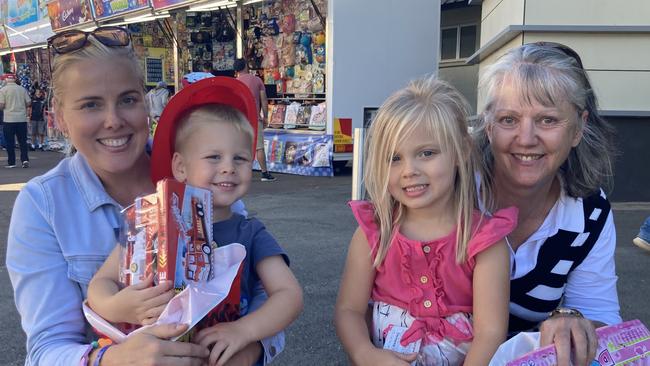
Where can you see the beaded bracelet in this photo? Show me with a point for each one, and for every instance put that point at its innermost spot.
(100, 354)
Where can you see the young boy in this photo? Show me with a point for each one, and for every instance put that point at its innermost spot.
(213, 150)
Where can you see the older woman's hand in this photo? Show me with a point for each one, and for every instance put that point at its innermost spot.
(574, 338)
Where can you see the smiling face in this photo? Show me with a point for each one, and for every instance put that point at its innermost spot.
(103, 111)
(530, 141)
(422, 174)
(216, 156)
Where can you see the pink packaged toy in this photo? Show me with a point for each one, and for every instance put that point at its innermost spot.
(627, 343)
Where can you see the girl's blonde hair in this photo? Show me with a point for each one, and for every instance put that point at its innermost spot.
(443, 112)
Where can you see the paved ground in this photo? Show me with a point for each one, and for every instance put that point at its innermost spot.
(310, 218)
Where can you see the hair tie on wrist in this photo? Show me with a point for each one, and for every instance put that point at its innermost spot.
(100, 355)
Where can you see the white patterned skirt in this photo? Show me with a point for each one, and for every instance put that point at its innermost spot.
(433, 350)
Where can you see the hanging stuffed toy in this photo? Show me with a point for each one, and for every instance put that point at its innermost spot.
(319, 38)
(288, 24)
(319, 53)
(287, 50)
(296, 37)
(271, 28)
(270, 53)
(305, 45)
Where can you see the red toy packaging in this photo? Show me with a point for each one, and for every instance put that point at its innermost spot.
(169, 234)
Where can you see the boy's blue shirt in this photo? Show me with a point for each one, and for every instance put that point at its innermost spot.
(259, 244)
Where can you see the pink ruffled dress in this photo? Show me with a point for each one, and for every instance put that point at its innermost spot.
(419, 285)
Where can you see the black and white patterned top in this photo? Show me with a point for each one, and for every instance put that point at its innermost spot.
(569, 260)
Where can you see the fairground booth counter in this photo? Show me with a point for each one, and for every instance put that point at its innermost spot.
(327, 64)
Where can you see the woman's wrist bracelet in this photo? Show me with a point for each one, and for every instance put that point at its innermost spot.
(100, 354)
(566, 311)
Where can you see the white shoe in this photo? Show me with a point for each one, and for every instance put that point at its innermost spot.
(641, 243)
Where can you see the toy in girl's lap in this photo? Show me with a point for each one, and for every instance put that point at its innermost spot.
(423, 253)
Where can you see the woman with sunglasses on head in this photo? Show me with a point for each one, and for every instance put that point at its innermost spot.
(549, 153)
(65, 222)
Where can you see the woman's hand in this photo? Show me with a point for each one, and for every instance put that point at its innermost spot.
(574, 338)
(141, 303)
(152, 347)
(226, 340)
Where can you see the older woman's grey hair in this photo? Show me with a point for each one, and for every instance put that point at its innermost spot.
(550, 74)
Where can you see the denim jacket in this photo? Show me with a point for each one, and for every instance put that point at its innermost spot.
(63, 226)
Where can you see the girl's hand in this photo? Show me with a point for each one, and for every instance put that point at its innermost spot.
(574, 338)
(141, 303)
(377, 356)
(226, 340)
(152, 347)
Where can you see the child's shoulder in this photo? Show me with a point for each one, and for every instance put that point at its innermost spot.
(363, 211)
(491, 228)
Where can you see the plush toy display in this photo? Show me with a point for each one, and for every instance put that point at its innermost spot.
(286, 44)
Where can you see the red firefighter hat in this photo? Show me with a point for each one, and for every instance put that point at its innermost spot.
(214, 90)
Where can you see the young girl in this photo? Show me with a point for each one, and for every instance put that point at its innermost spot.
(437, 271)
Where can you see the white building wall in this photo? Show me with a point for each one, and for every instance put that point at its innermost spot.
(498, 14)
(375, 47)
(588, 12)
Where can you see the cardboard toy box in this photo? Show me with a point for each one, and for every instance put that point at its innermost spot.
(169, 234)
(627, 343)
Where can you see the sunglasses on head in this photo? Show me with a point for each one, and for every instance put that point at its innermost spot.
(74, 39)
(562, 48)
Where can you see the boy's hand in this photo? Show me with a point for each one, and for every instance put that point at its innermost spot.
(247, 356)
(226, 340)
(141, 303)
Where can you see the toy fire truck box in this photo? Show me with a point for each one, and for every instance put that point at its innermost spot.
(627, 343)
(185, 245)
(169, 234)
(138, 243)
(193, 304)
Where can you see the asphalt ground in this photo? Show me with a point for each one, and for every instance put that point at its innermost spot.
(310, 218)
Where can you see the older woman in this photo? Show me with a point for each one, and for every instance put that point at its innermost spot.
(65, 222)
(549, 153)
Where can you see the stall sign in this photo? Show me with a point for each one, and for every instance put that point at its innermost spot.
(159, 4)
(109, 8)
(66, 13)
(295, 153)
(21, 12)
(342, 135)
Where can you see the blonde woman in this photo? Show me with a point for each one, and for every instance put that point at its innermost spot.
(64, 223)
(435, 268)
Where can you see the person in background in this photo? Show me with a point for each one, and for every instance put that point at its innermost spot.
(157, 100)
(39, 127)
(256, 86)
(2, 135)
(15, 102)
(548, 152)
(643, 239)
(200, 71)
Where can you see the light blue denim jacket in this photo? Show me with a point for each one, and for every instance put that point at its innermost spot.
(63, 226)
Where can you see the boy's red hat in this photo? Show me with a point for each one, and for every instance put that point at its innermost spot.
(215, 90)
